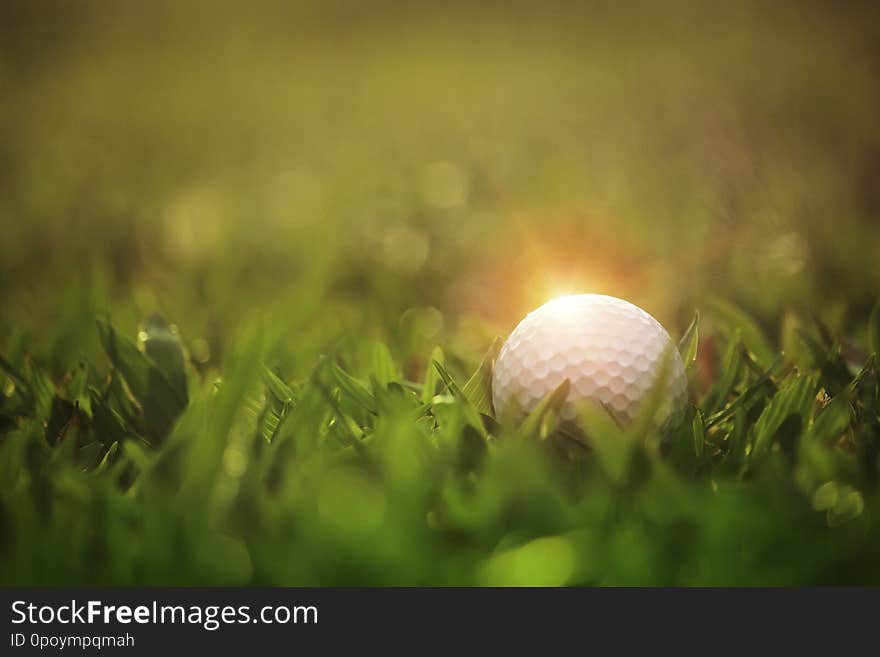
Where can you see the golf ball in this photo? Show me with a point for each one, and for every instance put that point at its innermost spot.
(611, 351)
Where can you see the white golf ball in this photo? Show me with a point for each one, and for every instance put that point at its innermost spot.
(611, 351)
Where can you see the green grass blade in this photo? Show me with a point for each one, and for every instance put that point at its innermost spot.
(432, 376)
(384, 369)
(7, 368)
(687, 346)
(834, 419)
(612, 445)
(161, 403)
(793, 398)
(699, 433)
(353, 388)
(282, 392)
(541, 421)
(478, 388)
(470, 413)
(162, 344)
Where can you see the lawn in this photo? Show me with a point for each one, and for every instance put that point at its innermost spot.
(256, 265)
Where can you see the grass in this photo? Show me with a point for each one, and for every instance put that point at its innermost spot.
(152, 473)
(253, 267)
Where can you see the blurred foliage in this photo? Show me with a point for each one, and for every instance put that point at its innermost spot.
(301, 227)
(372, 478)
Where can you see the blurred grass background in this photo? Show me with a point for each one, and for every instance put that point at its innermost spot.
(343, 160)
(316, 177)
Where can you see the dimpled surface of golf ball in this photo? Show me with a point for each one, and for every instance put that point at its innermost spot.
(611, 351)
